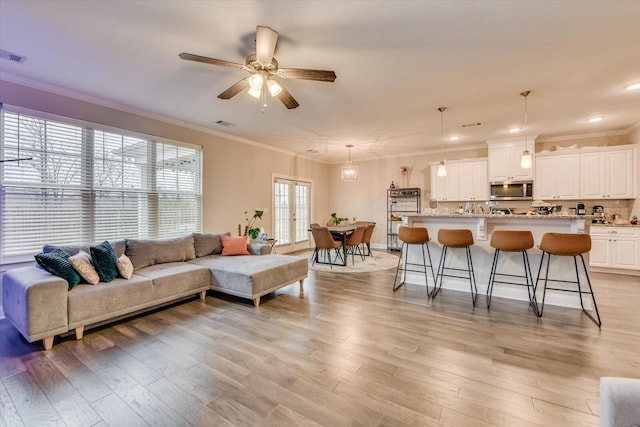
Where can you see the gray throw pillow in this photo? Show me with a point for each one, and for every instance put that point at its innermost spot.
(208, 244)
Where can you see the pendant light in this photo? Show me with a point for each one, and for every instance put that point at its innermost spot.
(525, 157)
(349, 169)
(442, 168)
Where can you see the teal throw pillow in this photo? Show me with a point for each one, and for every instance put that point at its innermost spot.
(105, 261)
(57, 263)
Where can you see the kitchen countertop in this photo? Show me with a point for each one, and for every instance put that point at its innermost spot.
(541, 217)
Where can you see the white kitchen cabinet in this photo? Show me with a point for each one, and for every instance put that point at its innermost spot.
(615, 247)
(473, 183)
(557, 176)
(607, 174)
(504, 160)
(465, 181)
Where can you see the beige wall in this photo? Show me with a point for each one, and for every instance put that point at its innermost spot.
(236, 176)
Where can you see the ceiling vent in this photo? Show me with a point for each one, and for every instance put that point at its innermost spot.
(12, 57)
(225, 123)
(469, 125)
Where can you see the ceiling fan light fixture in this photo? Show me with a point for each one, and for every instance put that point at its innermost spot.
(274, 87)
(350, 169)
(255, 92)
(255, 81)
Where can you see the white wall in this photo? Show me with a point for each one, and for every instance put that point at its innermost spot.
(236, 176)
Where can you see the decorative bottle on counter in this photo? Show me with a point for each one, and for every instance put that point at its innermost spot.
(392, 186)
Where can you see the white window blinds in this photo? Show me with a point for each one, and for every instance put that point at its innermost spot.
(85, 185)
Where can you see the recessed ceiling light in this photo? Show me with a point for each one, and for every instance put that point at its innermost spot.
(594, 119)
(454, 138)
(514, 130)
(633, 86)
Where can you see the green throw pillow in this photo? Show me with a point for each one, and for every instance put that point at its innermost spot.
(57, 263)
(104, 260)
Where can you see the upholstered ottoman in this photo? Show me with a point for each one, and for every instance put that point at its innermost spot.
(250, 276)
(619, 402)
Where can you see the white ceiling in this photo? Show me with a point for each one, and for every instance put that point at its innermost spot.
(396, 62)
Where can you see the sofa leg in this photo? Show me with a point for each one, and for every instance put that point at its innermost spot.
(203, 294)
(256, 301)
(47, 342)
(79, 332)
(301, 283)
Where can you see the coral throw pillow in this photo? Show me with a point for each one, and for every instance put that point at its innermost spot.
(81, 262)
(125, 268)
(234, 245)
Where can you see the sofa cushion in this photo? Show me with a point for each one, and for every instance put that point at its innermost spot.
(90, 304)
(208, 244)
(234, 246)
(104, 261)
(175, 278)
(81, 262)
(144, 253)
(57, 263)
(119, 247)
(250, 276)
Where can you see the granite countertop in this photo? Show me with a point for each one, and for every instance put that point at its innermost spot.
(505, 216)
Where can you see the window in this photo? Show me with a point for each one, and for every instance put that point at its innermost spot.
(85, 185)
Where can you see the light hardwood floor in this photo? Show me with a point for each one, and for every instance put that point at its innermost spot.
(344, 351)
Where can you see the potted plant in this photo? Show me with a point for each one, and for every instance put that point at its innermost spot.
(249, 229)
(336, 220)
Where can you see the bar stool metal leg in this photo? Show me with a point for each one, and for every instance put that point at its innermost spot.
(566, 244)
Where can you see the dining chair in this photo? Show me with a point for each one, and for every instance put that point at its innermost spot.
(325, 243)
(366, 239)
(354, 241)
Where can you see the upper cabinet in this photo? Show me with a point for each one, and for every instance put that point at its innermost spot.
(557, 176)
(504, 160)
(465, 181)
(607, 174)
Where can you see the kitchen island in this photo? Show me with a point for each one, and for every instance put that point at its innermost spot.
(482, 225)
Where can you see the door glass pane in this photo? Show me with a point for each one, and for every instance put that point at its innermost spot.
(282, 215)
(302, 212)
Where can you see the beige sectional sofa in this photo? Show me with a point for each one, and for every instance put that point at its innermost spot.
(40, 305)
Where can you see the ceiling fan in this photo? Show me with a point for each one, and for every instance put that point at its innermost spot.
(264, 68)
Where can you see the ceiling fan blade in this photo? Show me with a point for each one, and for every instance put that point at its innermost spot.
(235, 89)
(288, 100)
(207, 60)
(298, 73)
(266, 40)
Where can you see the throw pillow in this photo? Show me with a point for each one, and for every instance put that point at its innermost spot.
(104, 261)
(125, 268)
(234, 245)
(57, 263)
(81, 262)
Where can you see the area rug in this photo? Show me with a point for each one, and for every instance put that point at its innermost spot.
(379, 261)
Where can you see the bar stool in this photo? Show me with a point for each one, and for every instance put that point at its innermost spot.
(512, 241)
(567, 244)
(456, 239)
(413, 236)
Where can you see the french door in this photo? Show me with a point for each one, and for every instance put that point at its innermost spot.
(292, 213)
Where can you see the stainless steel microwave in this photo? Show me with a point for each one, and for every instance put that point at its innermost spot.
(522, 190)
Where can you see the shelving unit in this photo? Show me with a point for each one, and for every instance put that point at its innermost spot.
(400, 201)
